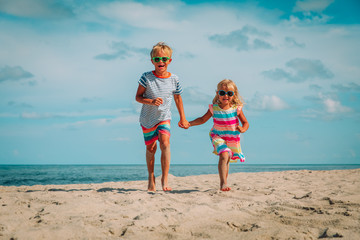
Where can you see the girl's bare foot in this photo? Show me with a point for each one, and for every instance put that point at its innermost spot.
(225, 188)
(166, 188)
(151, 185)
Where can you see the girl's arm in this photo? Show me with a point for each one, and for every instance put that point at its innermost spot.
(183, 123)
(244, 122)
(201, 120)
(140, 97)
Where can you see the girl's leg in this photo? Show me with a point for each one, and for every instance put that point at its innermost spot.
(165, 160)
(227, 168)
(150, 162)
(223, 167)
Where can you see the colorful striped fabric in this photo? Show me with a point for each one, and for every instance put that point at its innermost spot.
(224, 135)
(152, 134)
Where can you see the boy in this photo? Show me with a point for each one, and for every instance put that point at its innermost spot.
(156, 91)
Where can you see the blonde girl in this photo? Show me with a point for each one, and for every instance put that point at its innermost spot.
(226, 111)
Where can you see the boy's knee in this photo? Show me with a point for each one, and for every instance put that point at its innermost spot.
(164, 144)
(151, 148)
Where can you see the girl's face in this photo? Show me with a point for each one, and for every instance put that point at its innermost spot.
(224, 95)
(159, 63)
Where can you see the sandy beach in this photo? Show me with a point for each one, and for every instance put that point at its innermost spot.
(271, 205)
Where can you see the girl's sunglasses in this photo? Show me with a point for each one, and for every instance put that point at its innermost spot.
(229, 93)
(163, 59)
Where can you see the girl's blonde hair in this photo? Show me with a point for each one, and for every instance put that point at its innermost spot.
(161, 46)
(236, 100)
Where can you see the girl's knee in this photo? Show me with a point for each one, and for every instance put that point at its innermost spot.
(224, 155)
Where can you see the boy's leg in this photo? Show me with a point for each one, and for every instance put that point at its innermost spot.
(223, 167)
(164, 140)
(150, 162)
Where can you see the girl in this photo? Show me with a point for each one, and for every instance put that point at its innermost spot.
(226, 111)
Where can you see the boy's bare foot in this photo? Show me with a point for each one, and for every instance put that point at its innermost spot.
(165, 185)
(151, 185)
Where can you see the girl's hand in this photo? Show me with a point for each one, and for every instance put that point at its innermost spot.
(241, 129)
(157, 101)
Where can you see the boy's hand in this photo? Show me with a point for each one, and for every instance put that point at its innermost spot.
(184, 124)
(157, 101)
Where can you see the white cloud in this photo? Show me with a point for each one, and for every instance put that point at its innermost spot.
(122, 50)
(292, 136)
(312, 5)
(334, 106)
(267, 103)
(300, 70)
(309, 19)
(95, 114)
(326, 107)
(194, 95)
(347, 87)
(9, 115)
(310, 12)
(140, 15)
(34, 115)
(247, 38)
(19, 105)
(315, 87)
(291, 42)
(100, 122)
(13, 74)
(35, 9)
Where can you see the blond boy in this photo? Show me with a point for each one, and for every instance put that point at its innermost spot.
(156, 90)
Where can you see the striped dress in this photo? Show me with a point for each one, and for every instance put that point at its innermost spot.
(224, 135)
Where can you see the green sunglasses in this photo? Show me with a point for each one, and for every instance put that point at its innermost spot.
(163, 59)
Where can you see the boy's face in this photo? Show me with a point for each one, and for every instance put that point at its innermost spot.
(161, 66)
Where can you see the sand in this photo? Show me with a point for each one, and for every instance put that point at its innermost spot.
(271, 205)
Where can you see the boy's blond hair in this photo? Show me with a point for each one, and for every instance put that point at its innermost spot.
(161, 46)
(236, 100)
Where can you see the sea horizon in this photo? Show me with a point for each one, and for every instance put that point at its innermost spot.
(63, 174)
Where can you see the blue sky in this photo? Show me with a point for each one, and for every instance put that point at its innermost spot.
(69, 71)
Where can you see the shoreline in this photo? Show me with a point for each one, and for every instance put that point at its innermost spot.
(30, 175)
(304, 204)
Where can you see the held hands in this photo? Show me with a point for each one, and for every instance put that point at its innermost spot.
(184, 124)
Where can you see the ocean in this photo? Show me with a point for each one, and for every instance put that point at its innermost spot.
(17, 175)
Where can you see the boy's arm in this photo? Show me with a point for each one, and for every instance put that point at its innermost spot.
(244, 122)
(140, 97)
(201, 120)
(179, 104)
